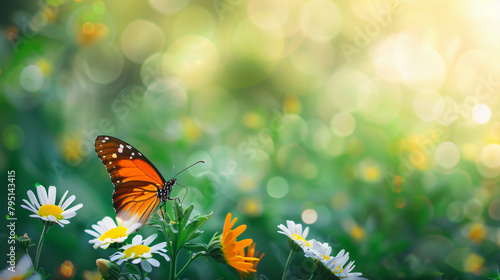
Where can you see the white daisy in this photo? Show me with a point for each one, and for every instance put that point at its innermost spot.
(23, 270)
(47, 210)
(140, 252)
(336, 266)
(295, 233)
(107, 232)
(318, 250)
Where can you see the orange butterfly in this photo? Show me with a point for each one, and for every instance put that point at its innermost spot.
(139, 186)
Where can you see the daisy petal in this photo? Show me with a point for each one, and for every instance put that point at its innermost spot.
(52, 195)
(75, 208)
(137, 240)
(33, 199)
(154, 262)
(62, 199)
(150, 239)
(145, 265)
(68, 215)
(68, 202)
(42, 194)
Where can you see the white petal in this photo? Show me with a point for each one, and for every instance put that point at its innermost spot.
(133, 228)
(116, 256)
(164, 255)
(298, 229)
(33, 199)
(158, 246)
(146, 255)
(28, 207)
(108, 223)
(120, 261)
(52, 218)
(305, 233)
(68, 202)
(150, 239)
(154, 262)
(75, 208)
(64, 222)
(68, 215)
(62, 199)
(42, 195)
(98, 229)
(35, 216)
(137, 240)
(126, 247)
(52, 195)
(93, 233)
(146, 266)
(136, 261)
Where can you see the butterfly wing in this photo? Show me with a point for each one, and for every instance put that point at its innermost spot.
(135, 178)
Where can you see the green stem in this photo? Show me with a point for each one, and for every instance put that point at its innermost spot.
(173, 266)
(288, 261)
(46, 226)
(186, 265)
(141, 272)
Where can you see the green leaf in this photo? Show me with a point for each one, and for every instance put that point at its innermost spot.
(43, 275)
(195, 247)
(131, 268)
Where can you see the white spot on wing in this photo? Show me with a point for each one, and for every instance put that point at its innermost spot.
(140, 154)
(103, 141)
(106, 138)
(121, 146)
(131, 157)
(128, 146)
(133, 153)
(104, 156)
(120, 150)
(114, 155)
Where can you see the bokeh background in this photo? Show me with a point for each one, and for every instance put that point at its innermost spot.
(373, 121)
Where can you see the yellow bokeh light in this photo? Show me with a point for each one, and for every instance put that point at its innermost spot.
(250, 206)
(473, 263)
(477, 233)
(88, 28)
(357, 233)
(309, 216)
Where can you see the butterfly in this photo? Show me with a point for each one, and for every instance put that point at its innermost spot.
(139, 186)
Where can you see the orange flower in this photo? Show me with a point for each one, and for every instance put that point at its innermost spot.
(251, 253)
(234, 251)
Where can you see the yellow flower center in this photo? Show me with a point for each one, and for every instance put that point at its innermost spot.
(300, 238)
(137, 249)
(338, 270)
(325, 257)
(114, 233)
(17, 278)
(50, 209)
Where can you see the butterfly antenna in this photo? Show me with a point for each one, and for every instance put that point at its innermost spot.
(188, 168)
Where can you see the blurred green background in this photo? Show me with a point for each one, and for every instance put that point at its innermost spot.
(372, 121)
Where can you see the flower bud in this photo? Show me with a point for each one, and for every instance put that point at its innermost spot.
(215, 249)
(67, 270)
(24, 241)
(109, 270)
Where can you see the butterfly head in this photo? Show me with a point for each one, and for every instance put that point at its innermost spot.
(164, 193)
